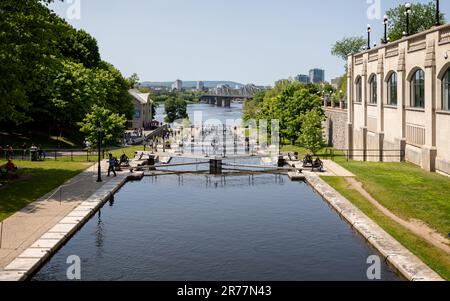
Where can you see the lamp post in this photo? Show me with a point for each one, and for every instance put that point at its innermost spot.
(408, 12)
(99, 170)
(369, 29)
(386, 21)
(438, 14)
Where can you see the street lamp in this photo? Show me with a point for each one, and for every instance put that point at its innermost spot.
(386, 21)
(369, 29)
(408, 12)
(438, 14)
(99, 170)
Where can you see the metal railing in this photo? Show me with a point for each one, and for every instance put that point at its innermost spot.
(81, 155)
(363, 154)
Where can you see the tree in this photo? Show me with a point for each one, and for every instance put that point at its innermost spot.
(311, 132)
(423, 17)
(133, 80)
(153, 105)
(348, 45)
(287, 102)
(51, 73)
(251, 105)
(113, 126)
(176, 108)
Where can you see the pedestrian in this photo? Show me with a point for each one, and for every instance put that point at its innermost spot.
(111, 163)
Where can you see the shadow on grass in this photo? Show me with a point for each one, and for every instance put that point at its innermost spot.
(32, 184)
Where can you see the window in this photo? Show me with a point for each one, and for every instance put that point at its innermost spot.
(418, 89)
(373, 89)
(446, 92)
(392, 89)
(358, 90)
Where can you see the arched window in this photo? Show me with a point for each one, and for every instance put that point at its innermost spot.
(446, 91)
(373, 89)
(392, 89)
(358, 90)
(418, 89)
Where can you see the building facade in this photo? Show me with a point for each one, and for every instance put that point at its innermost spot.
(302, 78)
(317, 75)
(177, 85)
(142, 117)
(200, 86)
(398, 97)
(335, 82)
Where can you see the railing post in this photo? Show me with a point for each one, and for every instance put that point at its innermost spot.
(71, 155)
(55, 155)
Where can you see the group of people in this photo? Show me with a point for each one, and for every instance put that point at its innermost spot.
(9, 152)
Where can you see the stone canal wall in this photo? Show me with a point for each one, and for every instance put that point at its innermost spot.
(405, 262)
(334, 127)
(23, 267)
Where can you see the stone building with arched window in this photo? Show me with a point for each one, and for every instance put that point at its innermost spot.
(399, 101)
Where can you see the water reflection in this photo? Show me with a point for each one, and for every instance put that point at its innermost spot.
(252, 227)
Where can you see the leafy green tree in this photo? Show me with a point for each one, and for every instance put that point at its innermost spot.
(133, 80)
(423, 17)
(79, 46)
(348, 45)
(51, 73)
(154, 105)
(112, 124)
(176, 108)
(251, 105)
(28, 50)
(287, 102)
(311, 134)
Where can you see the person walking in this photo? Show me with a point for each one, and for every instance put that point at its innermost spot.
(111, 163)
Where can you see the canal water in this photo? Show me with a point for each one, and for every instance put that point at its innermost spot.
(201, 227)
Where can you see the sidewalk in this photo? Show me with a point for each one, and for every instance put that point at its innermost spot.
(23, 228)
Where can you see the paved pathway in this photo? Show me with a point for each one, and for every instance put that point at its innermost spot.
(23, 228)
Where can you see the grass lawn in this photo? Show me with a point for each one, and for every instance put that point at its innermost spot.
(35, 180)
(129, 151)
(435, 258)
(44, 140)
(406, 190)
(38, 178)
(288, 148)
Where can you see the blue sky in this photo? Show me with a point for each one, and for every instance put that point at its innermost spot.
(249, 41)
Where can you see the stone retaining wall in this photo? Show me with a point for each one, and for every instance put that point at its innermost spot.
(335, 127)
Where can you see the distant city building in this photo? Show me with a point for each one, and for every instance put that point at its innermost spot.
(302, 78)
(335, 82)
(177, 85)
(200, 86)
(317, 75)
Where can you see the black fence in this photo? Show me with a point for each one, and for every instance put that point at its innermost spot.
(364, 155)
(80, 155)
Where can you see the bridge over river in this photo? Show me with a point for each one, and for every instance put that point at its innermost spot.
(223, 100)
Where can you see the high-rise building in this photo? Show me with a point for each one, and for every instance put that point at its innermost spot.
(302, 78)
(177, 85)
(335, 82)
(316, 75)
(200, 86)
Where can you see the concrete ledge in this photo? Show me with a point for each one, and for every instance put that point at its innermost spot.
(400, 258)
(12, 276)
(32, 258)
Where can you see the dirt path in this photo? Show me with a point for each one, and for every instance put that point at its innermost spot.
(416, 226)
